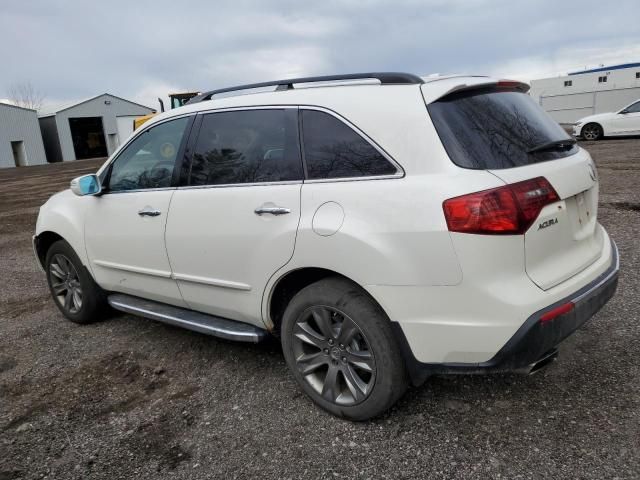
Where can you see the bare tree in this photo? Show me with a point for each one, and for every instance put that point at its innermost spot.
(25, 95)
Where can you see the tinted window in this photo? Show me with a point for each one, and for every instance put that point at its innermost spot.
(492, 129)
(247, 147)
(333, 150)
(635, 108)
(149, 160)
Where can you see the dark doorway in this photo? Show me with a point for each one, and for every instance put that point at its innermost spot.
(88, 137)
(19, 154)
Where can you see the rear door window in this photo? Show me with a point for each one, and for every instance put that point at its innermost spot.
(248, 146)
(332, 149)
(494, 129)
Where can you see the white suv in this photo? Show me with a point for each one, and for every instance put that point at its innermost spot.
(386, 227)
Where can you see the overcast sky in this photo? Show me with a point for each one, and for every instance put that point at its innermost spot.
(140, 50)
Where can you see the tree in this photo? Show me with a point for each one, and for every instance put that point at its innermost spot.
(25, 95)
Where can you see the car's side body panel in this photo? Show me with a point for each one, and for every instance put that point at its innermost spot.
(126, 250)
(391, 232)
(624, 124)
(394, 246)
(223, 253)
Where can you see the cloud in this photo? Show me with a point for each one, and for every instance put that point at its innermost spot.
(143, 49)
(565, 60)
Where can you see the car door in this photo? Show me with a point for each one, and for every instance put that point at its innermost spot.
(627, 121)
(124, 227)
(234, 224)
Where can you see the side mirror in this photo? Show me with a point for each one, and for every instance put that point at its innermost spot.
(624, 112)
(86, 185)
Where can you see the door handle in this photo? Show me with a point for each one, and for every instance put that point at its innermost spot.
(272, 210)
(149, 212)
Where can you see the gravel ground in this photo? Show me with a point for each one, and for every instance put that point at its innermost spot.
(130, 398)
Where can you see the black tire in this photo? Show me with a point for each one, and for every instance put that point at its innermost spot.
(349, 305)
(93, 300)
(592, 132)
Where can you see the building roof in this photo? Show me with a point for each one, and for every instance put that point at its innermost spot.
(5, 104)
(47, 112)
(606, 69)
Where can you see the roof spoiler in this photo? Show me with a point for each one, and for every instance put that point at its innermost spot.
(473, 83)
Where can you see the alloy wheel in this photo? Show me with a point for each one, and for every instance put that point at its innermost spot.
(333, 355)
(65, 283)
(591, 132)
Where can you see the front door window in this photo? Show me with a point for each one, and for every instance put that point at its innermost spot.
(149, 160)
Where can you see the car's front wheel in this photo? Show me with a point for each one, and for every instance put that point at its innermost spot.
(73, 290)
(339, 345)
(591, 132)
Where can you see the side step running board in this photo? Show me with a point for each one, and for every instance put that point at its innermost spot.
(181, 317)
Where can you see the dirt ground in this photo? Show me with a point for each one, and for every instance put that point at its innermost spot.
(131, 398)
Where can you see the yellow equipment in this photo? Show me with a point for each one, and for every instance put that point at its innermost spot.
(176, 99)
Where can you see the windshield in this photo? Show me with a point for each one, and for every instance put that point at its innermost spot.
(177, 102)
(494, 129)
(180, 99)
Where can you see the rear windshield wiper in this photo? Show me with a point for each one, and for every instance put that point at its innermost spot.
(555, 145)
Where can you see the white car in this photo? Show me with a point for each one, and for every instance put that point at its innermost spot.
(621, 123)
(384, 226)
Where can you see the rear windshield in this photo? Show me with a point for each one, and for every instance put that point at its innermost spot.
(494, 129)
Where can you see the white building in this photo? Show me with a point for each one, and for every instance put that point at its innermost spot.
(578, 94)
(89, 129)
(20, 138)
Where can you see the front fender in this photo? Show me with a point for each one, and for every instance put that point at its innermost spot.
(63, 214)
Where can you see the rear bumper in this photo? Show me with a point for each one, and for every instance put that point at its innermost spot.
(534, 341)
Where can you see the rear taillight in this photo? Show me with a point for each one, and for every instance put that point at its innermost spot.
(508, 210)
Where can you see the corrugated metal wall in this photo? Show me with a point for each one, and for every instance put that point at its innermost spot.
(613, 100)
(96, 108)
(572, 107)
(20, 125)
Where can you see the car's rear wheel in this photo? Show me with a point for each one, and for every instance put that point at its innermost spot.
(339, 345)
(73, 290)
(592, 132)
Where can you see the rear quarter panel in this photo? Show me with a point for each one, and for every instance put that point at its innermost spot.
(393, 232)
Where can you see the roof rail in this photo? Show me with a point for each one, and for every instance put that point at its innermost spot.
(385, 78)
